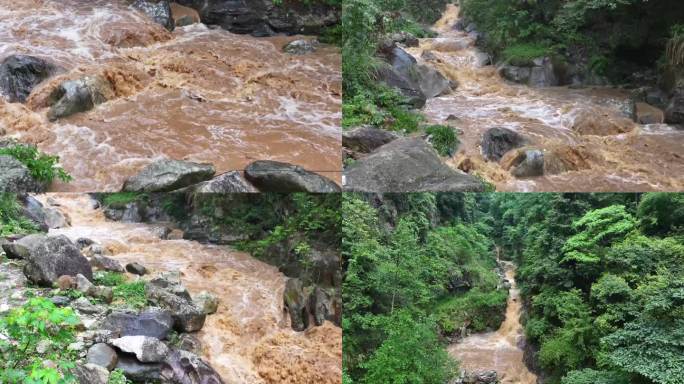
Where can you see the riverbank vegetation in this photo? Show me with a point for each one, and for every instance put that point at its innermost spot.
(613, 37)
(366, 23)
(600, 276)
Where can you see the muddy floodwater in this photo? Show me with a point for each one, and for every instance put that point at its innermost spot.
(501, 350)
(641, 158)
(249, 340)
(198, 93)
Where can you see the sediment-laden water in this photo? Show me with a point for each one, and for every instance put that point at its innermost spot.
(501, 350)
(647, 157)
(249, 340)
(197, 93)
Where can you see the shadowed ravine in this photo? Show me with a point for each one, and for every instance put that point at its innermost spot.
(249, 339)
(499, 351)
(197, 93)
(648, 157)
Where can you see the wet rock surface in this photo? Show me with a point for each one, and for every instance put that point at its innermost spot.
(157, 10)
(51, 257)
(168, 175)
(274, 176)
(167, 292)
(498, 140)
(407, 165)
(152, 322)
(15, 177)
(296, 304)
(230, 182)
(300, 47)
(74, 96)
(19, 74)
(367, 139)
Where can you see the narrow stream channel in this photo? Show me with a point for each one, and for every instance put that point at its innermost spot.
(249, 339)
(500, 350)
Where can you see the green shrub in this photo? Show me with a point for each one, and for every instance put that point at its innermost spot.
(109, 279)
(11, 220)
(37, 322)
(43, 167)
(130, 295)
(444, 139)
(117, 377)
(121, 199)
(523, 54)
(476, 310)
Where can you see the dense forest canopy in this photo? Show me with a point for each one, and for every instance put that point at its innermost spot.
(601, 277)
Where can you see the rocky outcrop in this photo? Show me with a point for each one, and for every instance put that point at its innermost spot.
(275, 176)
(498, 140)
(48, 258)
(417, 82)
(674, 114)
(15, 177)
(367, 139)
(80, 95)
(19, 74)
(539, 72)
(265, 17)
(407, 165)
(167, 292)
(157, 10)
(296, 304)
(168, 175)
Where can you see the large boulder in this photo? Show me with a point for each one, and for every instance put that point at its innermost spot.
(207, 302)
(146, 349)
(167, 292)
(19, 74)
(366, 139)
(157, 10)
(407, 165)
(415, 81)
(321, 306)
(80, 95)
(51, 257)
(187, 368)
(54, 218)
(296, 304)
(168, 175)
(103, 355)
(539, 72)
(183, 16)
(648, 114)
(229, 182)
(106, 264)
(275, 176)
(498, 140)
(592, 123)
(152, 322)
(300, 47)
(264, 17)
(15, 177)
(33, 210)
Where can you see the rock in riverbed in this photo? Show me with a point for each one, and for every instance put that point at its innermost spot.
(103, 355)
(498, 140)
(229, 182)
(15, 177)
(152, 322)
(159, 11)
(407, 165)
(167, 292)
(366, 139)
(168, 175)
(146, 349)
(74, 96)
(51, 257)
(296, 304)
(19, 74)
(275, 176)
(300, 47)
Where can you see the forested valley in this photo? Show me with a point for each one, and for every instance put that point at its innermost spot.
(600, 279)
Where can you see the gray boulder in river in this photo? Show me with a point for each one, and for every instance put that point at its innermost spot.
(407, 165)
(49, 257)
(275, 176)
(498, 140)
(168, 175)
(19, 74)
(74, 96)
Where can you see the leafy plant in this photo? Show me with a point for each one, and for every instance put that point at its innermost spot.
(117, 377)
(109, 279)
(42, 167)
(130, 294)
(12, 222)
(36, 332)
(443, 139)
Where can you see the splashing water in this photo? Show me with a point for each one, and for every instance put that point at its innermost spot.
(197, 93)
(249, 339)
(646, 158)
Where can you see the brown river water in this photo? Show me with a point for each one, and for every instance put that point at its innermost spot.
(648, 157)
(197, 93)
(500, 350)
(249, 339)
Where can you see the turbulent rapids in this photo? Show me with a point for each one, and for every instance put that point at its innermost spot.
(583, 132)
(249, 339)
(197, 93)
(499, 351)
